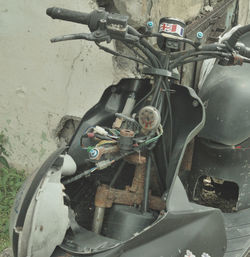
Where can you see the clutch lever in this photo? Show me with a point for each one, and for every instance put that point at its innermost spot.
(97, 36)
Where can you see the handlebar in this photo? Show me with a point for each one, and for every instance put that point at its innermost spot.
(237, 34)
(243, 50)
(105, 27)
(68, 15)
(91, 19)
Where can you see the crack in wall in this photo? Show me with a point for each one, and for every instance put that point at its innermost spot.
(72, 67)
(150, 6)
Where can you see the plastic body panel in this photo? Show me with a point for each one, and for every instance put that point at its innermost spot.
(25, 196)
(182, 227)
(226, 94)
(175, 232)
(238, 233)
(178, 229)
(230, 164)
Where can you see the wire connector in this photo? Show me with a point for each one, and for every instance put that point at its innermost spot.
(100, 130)
(104, 164)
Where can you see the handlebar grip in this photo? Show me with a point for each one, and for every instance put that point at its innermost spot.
(245, 52)
(68, 15)
(237, 34)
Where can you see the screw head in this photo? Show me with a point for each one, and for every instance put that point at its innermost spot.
(93, 153)
(195, 103)
(199, 35)
(150, 24)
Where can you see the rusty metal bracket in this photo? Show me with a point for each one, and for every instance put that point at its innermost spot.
(132, 195)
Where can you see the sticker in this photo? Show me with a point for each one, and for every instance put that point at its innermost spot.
(171, 28)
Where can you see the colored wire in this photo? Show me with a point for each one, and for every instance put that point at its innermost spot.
(104, 142)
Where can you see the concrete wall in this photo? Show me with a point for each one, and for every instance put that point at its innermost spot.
(41, 82)
(141, 11)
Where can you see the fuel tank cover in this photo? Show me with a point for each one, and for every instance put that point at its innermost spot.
(226, 96)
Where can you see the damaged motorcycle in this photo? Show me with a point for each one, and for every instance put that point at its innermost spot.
(115, 189)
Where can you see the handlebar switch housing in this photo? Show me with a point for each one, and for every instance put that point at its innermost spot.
(117, 24)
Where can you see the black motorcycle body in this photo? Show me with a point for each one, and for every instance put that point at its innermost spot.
(60, 211)
(181, 219)
(222, 148)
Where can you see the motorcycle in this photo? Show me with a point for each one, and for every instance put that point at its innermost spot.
(115, 189)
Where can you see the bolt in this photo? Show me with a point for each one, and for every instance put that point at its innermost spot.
(93, 153)
(150, 24)
(199, 35)
(195, 103)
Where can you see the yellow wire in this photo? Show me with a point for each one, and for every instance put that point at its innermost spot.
(103, 142)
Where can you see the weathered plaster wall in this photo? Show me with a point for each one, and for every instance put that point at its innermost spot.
(143, 10)
(41, 82)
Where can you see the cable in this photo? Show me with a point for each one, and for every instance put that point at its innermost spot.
(144, 98)
(131, 47)
(179, 61)
(170, 130)
(197, 59)
(158, 81)
(143, 41)
(117, 174)
(157, 171)
(145, 202)
(166, 36)
(104, 142)
(77, 177)
(110, 51)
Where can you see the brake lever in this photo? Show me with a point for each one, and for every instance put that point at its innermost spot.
(97, 36)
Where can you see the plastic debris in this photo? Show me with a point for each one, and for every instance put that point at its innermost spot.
(189, 254)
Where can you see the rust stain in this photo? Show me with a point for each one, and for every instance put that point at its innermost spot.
(132, 195)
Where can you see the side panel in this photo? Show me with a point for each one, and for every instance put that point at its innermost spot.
(218, 161)
(226, 96)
